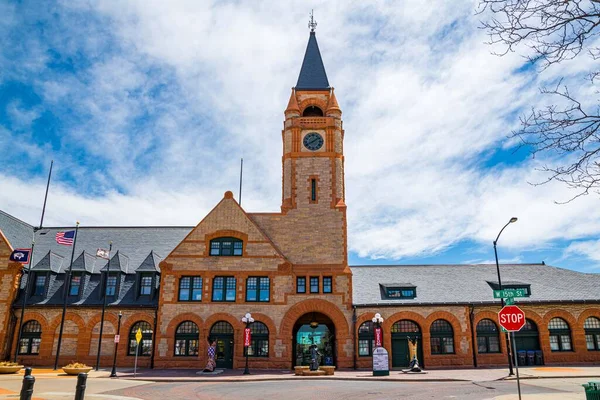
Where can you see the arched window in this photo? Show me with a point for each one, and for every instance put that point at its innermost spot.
(488, 340)
(31, 337)
(560, 335)
(366, 339)
(186, 339)
(226, 246)
(221, 328)
(592, 333)
(442, 337)
(312, 111)
(145, 346)
(259, 345)
(405, 326)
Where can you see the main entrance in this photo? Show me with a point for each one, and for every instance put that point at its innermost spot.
(222, 332)
(401, 330)
(314, 329)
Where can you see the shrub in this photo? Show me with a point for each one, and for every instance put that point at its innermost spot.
(76, 365)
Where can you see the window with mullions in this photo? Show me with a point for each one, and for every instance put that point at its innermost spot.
(111, 285)
(314, 284)
(366, 339)
(592, 333)
(75, 285)
(226, 247)
(327, 284)
(145, 346)
(186, 339)
(40, 285)
(258, 289)
(223, 288)
(442, 337)
(190, 288)
(145, 284)
(400, 292)
(31, 338)
(560, 335)
(488, 340)
(259, 344)
(300, 284)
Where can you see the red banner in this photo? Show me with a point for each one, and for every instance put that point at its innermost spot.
(378, 337)
(247, 337)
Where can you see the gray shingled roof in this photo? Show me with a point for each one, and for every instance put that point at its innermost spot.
(18, 233)
(312, 74)
(465, 284)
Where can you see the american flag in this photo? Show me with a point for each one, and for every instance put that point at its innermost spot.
(65, 238)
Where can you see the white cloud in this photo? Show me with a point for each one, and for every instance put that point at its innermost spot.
(190, 89)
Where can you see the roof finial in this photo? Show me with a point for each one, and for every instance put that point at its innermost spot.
(312, 24)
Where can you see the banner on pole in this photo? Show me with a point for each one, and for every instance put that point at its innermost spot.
(117, 338)
(247, 337)
(378, 337)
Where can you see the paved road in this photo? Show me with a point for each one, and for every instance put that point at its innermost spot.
(349, 390)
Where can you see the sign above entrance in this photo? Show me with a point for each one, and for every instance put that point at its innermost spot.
(511, 318)
(381, 365)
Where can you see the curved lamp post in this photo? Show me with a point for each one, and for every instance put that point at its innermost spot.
(377, 321)
(512, 220)
(247, 319)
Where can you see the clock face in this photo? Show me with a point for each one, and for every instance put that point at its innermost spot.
(313, 141)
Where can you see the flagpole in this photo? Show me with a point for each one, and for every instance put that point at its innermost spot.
(66, 285)
(29, 277)
(241, 175)
(103, 310)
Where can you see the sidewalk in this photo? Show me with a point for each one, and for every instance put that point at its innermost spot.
(443, 375)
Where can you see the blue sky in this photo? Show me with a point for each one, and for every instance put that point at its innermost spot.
(147, 107)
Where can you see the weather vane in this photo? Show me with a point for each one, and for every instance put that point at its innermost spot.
(312, 24)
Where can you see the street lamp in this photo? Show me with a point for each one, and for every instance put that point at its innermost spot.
(113, 373)
(377, 321)
(512, 220)
(247, 319)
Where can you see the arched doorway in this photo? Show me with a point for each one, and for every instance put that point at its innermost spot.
(528, 337)
(318, 329)
(401, 330)
(222, 332)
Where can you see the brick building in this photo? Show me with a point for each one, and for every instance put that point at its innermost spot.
(181, 285)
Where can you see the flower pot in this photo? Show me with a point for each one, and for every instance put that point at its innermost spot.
(75, 371)
(10, 369)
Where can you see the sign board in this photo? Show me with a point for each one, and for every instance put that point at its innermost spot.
(247, 337)
(116, 338)
(507, 293)
(509, 301)
(378, 337)
(381, 366)
(138, 336)
(511, 318)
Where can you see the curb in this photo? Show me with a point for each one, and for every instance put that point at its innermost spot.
(510, 378)
(259, 379)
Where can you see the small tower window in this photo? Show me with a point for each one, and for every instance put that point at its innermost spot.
(312, 111)
(313, 190)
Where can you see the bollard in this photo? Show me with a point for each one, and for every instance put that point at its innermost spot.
(27, 371)
(27, 388)
(80, 389)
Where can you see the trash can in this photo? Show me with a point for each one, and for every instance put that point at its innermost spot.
(539, 357)
(522, 357)
(592, 390)
(531, 357)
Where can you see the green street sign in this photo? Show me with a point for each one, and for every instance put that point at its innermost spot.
(509, 293)
(509, 301)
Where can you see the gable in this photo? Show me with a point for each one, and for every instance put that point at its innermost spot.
(227, 219)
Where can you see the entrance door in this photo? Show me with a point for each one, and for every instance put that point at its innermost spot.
(528, 337)
(400, 356)
(222, 332)
(401, 330)
(224, 357)
(314, 329)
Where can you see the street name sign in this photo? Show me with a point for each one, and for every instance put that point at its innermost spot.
(507, 293)
(511, 318)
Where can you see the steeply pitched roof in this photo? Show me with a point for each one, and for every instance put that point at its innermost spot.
(468, 284)
(312, 74)
(18, 233)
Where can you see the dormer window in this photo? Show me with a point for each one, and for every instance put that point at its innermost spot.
(75, 285)
(146, 285)
(226, 247)
(398, 291)
(40, 285)
(111, 285)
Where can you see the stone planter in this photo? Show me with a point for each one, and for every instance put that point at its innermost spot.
(329, 369)
(75, 371)
(300, 369)
(10, 369)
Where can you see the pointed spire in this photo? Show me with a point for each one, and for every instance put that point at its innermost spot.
(293, 103)
(312, 74)
(332, 106)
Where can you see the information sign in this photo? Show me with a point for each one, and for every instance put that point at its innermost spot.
(381, 365)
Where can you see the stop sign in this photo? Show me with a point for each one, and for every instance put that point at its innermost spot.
(511, 318)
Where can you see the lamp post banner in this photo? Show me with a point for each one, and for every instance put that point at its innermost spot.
(117, 338)
(378, 337)
(247, 337)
